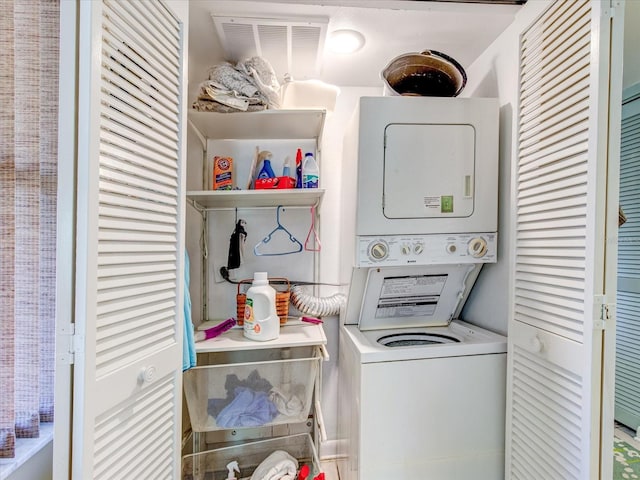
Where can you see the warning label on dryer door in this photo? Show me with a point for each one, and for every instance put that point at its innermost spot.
(409, 296)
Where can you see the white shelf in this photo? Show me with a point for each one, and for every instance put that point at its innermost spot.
(294, 334)
(265, 124)
(256, 198)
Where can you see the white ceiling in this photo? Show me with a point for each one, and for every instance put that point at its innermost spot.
(391, 28)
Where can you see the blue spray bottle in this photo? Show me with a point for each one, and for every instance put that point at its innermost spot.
(266, 171)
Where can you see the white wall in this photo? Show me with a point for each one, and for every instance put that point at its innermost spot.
(330, 174)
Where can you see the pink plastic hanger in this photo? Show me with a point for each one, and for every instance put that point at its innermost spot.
(312, 229)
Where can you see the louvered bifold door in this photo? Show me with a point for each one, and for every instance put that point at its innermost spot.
(628, 299)
(127, 377)
(560, 186)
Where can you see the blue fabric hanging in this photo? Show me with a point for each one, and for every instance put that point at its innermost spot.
(188, 343)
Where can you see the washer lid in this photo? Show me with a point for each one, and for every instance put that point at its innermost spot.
(415, 296)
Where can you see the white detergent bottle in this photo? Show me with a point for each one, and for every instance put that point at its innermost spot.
(261, 322)
(310, 172)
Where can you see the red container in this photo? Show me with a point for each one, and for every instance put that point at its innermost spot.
(273, 183)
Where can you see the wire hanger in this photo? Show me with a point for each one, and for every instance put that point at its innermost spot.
(309, 246)
(267, 239)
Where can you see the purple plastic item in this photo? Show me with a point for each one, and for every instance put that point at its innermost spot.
(214, 331)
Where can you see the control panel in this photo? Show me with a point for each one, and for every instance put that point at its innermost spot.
(396, 250)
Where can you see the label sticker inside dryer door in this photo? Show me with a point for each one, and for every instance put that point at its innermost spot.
(410, 296)
(432, 202)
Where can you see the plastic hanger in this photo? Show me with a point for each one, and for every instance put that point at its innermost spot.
(312, 229)
(267, 239)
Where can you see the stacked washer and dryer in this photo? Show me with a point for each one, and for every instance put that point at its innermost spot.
(422, 394)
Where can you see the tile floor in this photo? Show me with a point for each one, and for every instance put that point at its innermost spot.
(330, 469)
(627, 434)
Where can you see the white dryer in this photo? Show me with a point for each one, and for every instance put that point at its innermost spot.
(422, 394)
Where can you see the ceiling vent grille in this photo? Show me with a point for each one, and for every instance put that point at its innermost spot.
(292, 47)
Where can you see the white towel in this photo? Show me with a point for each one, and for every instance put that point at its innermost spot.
(290, 407)
(277, 466)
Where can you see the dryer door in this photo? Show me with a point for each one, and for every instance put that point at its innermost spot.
(428, 171)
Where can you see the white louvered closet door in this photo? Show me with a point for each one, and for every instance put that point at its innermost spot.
(563, 171)
(628, 300)
(129, 280)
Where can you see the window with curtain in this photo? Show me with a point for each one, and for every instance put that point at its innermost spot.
(29, 33)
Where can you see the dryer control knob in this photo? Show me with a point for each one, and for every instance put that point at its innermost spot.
(405, 249)
(418, 248)
(378, 250)
(451, 248)
(477, 247)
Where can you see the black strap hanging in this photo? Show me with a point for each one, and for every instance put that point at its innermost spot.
(236, 245)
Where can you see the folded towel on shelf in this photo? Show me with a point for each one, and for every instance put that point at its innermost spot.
(247, 86)
(263, 77)
(210, 105)
(277, 466)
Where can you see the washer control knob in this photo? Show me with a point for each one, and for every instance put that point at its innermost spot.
(405, 249)
(451, 248)
(418, 248)
(477, 247)
(379, 250)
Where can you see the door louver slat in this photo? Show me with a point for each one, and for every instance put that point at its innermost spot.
(559, 92)
(533, 170)
(128, 213)
(141, 99)
(151, 45)
(117, 159)
(571, 57)
(537, 384)
(118, 76)
(111, 140)
(130, 191)
(120, 453)
(119, 62)
(578, 141)
(133, 114)
(557, 46)
(132, 178)
(557, 118)
(130, 132)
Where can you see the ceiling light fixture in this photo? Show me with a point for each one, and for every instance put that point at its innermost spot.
(345, 41)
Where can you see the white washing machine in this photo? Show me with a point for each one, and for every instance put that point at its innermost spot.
(422, 394)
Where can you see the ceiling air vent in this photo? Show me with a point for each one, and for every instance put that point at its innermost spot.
(292, 46)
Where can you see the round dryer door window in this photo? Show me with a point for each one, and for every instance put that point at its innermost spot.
(415, 339)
